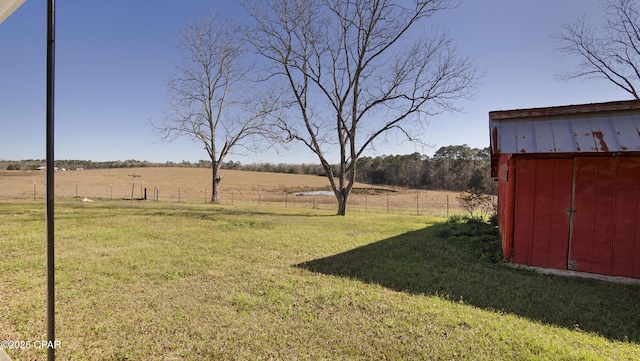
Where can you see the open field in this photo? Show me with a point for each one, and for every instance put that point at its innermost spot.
(237, 187)
(158, 281)
(99, 183)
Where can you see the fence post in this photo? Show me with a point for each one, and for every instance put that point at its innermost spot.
(447, 205)
(178, 195)
(205, 196)
(417, 203)
(231, 197)
(387, 203)
(34, 191)
(112, 192)
(286, 200)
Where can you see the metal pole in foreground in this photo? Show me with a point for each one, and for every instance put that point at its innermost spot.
(51, 335)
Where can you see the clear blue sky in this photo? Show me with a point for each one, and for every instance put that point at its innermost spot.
(113, 60)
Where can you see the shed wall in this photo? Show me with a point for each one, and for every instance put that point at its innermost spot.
(579, 213)
(541, 220)
(506, 195)
(569, 186)
(604, 230)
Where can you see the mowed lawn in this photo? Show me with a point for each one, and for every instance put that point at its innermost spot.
(159, 281)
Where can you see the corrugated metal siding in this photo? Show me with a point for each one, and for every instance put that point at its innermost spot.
(570, 207)
(605, 237)
(572, 213)
(581, 133)
(592, 224)
(541, 226)
(626, 238)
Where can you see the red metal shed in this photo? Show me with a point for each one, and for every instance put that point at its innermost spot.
(569, 186)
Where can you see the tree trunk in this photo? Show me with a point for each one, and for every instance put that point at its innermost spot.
(215, 181)
(342, 196)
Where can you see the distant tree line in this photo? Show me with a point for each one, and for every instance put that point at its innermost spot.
(34, 164)
(452, 168)
(69, 164)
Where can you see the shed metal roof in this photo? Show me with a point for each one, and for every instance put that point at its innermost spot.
(586, 128)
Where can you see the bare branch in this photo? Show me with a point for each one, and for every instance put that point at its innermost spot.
(212, 100)
(354, 74)
(611, 53)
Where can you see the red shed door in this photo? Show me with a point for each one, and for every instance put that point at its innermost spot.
(541, 221)
(604, 230)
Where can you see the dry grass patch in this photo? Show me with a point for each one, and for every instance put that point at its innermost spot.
(255, 189)
(192, 182)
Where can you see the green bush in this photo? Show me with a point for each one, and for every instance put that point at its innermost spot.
(473, 199)
(479, 239)
(493, 219)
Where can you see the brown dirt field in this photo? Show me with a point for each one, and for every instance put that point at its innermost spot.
(193, 185)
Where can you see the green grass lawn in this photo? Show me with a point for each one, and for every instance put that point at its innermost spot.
(153, 281)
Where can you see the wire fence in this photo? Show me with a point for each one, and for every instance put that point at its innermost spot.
(416, 202)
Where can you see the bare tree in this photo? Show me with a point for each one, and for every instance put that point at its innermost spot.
(613, 52)
(208, 91)
(354, 72)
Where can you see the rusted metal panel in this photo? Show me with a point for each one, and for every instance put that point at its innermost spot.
(583, 141)
(617, 106)
(627, 133)
(584, 135)
(595, 129)
(606, 137)
(541, 226)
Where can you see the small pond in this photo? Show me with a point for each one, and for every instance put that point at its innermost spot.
(315, 193)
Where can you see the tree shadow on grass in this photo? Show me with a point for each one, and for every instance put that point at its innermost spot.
(432, 262)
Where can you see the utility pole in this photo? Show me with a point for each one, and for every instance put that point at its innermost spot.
(133, 186)
(6, 8)
(51, 301)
